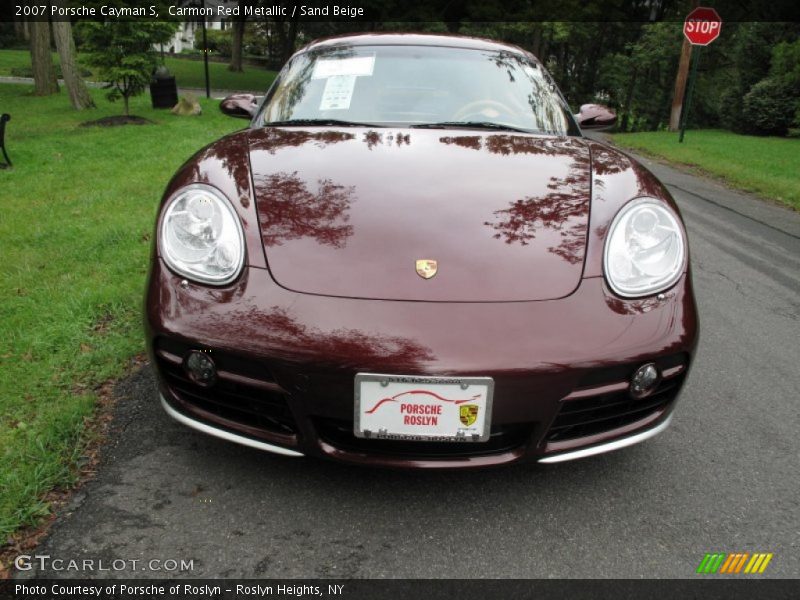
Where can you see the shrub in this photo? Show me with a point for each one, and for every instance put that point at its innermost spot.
(769, 108)
(218, 41)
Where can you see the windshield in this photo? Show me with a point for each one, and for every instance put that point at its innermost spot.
(417, 86)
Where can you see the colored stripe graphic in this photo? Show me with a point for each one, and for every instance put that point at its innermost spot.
(758, 563)
(741, 562)
(731, 560)
(711, 562)
(734, 562)
(703, 563)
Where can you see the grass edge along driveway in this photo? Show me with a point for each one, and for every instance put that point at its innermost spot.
(767, 166)
(76, 221)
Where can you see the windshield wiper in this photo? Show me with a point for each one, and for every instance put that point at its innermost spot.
(470, 125)
(318, 122)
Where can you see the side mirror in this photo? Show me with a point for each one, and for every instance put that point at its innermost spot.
(596, 117)
(242, 106)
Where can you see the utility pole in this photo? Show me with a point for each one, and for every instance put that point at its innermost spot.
(680, 86)
(692, 78)
(680, 82)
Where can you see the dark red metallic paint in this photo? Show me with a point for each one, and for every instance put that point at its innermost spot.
(537, 352)
(333, 222)
(504, 215)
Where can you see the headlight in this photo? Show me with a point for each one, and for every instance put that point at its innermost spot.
(645, 249)
(201, 236)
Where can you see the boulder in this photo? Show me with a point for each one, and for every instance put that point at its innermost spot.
(187, 106)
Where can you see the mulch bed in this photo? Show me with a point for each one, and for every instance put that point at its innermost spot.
(116, 121)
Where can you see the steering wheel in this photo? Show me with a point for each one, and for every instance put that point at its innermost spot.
(481, 110)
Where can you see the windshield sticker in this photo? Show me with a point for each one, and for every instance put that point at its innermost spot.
(338, 92)
(359, 65)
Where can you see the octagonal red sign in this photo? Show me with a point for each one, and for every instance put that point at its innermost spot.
(702, 26)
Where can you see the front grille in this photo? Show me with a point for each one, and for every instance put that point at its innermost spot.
(245, 392)
(501, 439)
(607, 411)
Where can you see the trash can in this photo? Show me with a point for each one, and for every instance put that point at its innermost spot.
(163, 90)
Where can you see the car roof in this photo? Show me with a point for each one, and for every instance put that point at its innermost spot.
(413, 39)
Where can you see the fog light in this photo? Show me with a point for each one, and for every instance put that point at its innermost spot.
(200, 367)
(644, 380)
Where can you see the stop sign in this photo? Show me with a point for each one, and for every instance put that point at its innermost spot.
(702, 26)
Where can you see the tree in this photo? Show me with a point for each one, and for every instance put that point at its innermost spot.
(238, 39)
(747, 57)
(44, 74)
(285, 31)
(21, 30)
(78, 93)
(124, 54)
(638, 80)
(785, 68)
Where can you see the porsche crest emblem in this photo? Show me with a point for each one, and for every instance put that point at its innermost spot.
(426, 268)
(468, 414)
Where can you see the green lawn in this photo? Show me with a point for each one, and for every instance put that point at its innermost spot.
(76, 219)
(14, 58)
(188, 73)
(768, 166)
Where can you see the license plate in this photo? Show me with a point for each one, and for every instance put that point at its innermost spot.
(424, 409)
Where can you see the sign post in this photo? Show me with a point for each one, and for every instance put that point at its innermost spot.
(701, 27)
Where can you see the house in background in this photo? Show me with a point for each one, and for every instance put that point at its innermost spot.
(190, 33)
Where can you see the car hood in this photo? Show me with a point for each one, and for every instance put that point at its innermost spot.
(350, 212)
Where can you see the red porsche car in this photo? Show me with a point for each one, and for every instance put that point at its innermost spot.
(412, 257)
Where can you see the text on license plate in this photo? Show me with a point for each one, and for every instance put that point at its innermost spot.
(418, 408)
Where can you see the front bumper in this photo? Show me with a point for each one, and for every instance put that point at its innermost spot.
(287, 363)
(229, 436)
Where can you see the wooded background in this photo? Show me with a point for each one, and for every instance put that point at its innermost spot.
(623, 53)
